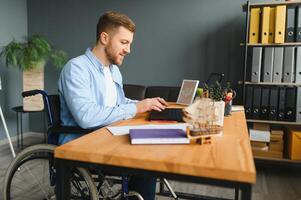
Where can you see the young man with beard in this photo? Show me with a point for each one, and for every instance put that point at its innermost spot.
(91, 90)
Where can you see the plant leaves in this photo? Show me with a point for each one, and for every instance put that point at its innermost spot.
(29, 54)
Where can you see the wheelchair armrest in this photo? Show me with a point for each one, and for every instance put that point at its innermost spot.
(69, 129)
(33, 92)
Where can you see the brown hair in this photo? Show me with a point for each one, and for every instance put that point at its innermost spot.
(112, 20)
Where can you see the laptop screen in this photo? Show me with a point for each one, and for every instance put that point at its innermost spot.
(187, 92)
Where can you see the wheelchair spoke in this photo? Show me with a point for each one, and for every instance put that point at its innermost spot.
(31, 175)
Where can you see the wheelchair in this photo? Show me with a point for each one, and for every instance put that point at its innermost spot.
(31, 175)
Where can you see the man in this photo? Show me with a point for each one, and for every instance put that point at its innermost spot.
(91, 90)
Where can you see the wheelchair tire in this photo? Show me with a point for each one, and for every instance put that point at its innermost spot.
(32, 173)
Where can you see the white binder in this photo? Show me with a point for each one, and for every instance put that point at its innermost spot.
(256, 64)
(278, 63)
(289, 64)
(268, 64)
(298, 65)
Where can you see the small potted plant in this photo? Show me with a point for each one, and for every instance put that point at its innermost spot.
(31, 57)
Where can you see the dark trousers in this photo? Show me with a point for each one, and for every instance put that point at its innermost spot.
(145, 186)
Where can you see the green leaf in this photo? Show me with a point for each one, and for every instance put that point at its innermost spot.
(59, 58)
(29, 54)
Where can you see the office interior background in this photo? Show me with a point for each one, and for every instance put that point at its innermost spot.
(175, 40)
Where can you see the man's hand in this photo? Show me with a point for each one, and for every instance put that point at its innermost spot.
(157, 103)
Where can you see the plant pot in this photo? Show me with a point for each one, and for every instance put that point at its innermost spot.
(33, 80)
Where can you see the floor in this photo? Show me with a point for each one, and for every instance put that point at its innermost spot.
(272, 183)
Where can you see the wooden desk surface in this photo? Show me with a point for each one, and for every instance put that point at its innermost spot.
(229, 157)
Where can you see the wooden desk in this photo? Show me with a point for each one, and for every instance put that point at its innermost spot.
(227, 162)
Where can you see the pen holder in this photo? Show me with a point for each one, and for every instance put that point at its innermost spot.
(228, 102)
(228, 108)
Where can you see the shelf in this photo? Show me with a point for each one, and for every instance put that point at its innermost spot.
(272, 44)
(283, 160)
(274, 122)
(273, 4)
(271, 83)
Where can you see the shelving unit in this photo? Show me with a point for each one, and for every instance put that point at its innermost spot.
(246, 46)
(274, 122)
(272, 45)
(269, 83)
(277, 161)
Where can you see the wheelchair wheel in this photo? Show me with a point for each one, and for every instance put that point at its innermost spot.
(31, 175)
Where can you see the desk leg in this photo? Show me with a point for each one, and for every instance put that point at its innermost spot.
(62, 180)
(246, 192)
(236, 193)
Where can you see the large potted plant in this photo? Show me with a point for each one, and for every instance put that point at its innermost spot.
(31, 57)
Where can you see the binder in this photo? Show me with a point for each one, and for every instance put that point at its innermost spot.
(298, 105)
(272, 25)
(256, 64)
(265, 94)
(265, 20)
(273, 107)
(278, 62)
(249, 102)
(290, 31)
(268, 64)
(256, 102)
(290, 104)
(280, 14)
(254, 25)
(298, 65)
(298, 24)
(281, 104)
(289, 64)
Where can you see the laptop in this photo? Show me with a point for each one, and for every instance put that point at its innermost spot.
(186, 96)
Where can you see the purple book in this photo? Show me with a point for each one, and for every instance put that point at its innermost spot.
(158, 136)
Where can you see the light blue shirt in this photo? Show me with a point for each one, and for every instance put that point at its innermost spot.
(82, 89)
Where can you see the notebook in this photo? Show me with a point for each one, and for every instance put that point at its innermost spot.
(186, 96)
(158, 136)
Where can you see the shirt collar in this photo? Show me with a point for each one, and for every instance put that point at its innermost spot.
(96, 62)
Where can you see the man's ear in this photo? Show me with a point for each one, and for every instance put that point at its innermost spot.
(104, 38)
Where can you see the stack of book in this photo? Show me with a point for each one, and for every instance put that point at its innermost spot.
(261, 146)
(266, 143)
(276, 141)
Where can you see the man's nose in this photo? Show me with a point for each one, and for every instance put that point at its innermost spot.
(128, 49)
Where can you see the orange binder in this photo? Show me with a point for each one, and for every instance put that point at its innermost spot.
(272, 25)
(254, 25)
(265, 20)
(280, 16)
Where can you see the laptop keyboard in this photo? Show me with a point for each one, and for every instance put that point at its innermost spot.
(171, 114)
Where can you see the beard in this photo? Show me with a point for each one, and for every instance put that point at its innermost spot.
(112, 56)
